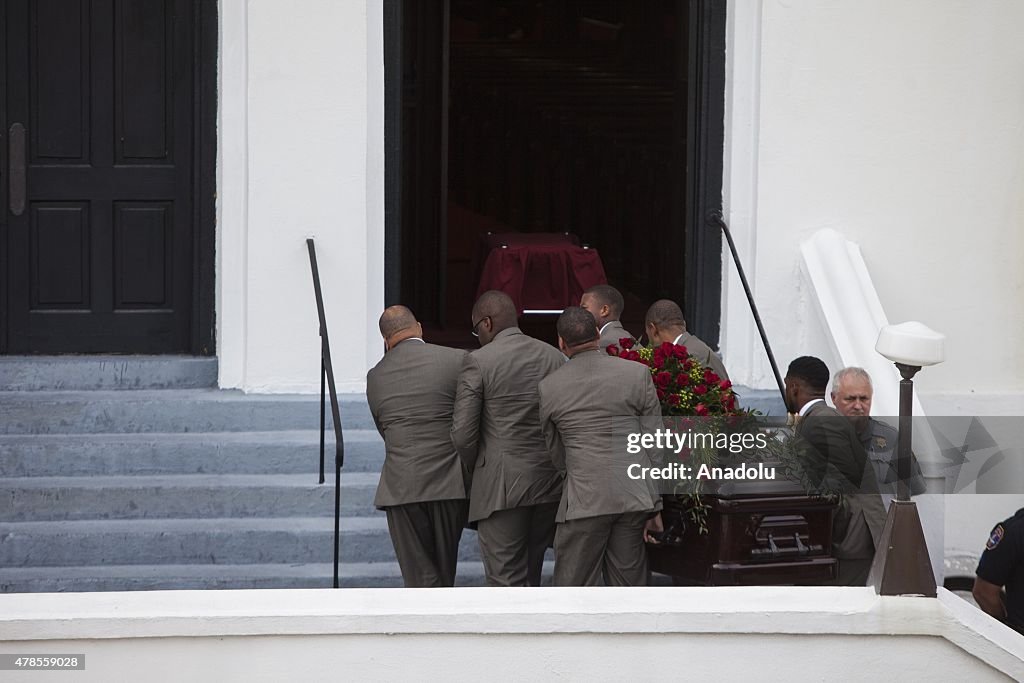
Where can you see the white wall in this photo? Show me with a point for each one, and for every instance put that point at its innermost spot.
(513, 634)
(897, 124)
(300, 155)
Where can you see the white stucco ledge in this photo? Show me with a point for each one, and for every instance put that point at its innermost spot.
(770, 631)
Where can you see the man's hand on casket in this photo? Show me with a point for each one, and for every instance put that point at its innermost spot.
(653, 528)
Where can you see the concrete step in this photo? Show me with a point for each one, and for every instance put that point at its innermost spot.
(765, 401)
(48, 373)
(171, 410)
(284, 452)
(183, 496)
(203, 576)
(291, 540)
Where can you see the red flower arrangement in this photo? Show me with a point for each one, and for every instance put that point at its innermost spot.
(687, 389)
(685, 386)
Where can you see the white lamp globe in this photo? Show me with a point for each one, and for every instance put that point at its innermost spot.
(911, 343)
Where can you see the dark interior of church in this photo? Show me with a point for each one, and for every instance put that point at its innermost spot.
(543, 123)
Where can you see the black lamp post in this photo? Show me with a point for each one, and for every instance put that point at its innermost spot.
(902, 565)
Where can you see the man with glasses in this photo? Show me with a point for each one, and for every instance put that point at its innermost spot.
(515, 487)
(422, 488)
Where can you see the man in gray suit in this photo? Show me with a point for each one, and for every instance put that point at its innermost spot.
(604, 515)
(496, 429)
(606, 304)
(835, 457)
(411, 393)
(664, 323)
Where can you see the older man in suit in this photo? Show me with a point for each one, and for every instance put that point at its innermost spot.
(606, 304)
(851, 395)
(836, 458)
(664, 323)
(604, 515)
(411, 393)
(515, 488)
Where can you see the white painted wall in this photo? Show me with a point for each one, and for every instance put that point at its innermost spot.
(301, 150)
(514, 634)
(897, 124)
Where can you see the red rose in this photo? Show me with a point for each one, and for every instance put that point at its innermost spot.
(658, 360)
(612, 350)
(725, 385)
(632, 355)
(673, 399)
(710, 377)
(683, 380)
(688, 365)
(700, 390)
(700, 409)
(680, 352)
(626, 343)
(663, 379)
(666, 348)
(661, 394)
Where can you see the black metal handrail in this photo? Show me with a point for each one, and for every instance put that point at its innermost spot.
(715, 218)
(327, 381)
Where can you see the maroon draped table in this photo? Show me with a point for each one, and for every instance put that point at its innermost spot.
(540, 271)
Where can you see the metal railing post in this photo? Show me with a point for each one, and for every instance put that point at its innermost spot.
(327, 374)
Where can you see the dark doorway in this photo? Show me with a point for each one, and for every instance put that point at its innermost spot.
(108, 112)
(598, 118)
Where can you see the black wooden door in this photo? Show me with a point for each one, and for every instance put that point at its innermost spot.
(98, 117)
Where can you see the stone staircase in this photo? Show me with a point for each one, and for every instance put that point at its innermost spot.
(135, 473)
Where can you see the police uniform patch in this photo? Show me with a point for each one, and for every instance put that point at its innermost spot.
(995, 537)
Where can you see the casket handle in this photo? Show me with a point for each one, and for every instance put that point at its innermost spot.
(774, 551)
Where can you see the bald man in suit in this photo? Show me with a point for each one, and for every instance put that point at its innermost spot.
(604, 516)
(411, 393)
(606, 304)
(837, 459)
(664, 323)
(515, 487)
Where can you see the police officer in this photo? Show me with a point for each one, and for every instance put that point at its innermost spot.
(1002, 565)
(851, 395)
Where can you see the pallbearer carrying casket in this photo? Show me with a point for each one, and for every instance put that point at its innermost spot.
(411, 392)
(515, 487)
(604, 516)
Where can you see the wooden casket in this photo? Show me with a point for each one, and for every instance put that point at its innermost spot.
(759, 533)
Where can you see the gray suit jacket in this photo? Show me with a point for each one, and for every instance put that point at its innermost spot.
(703, 353)
(612, 333)
(496, 427)
(585, 423)
(857, 526)
(411, 393)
